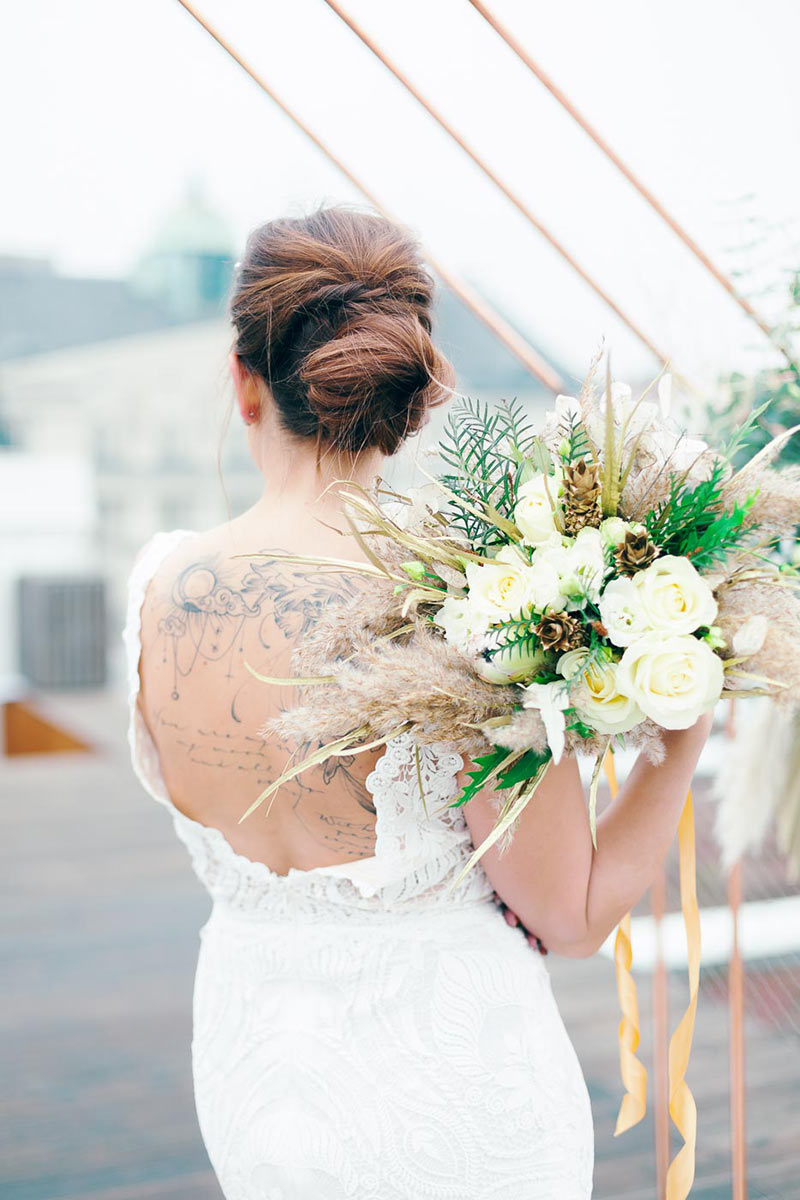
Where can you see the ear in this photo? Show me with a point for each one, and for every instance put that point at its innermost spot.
(244, 386)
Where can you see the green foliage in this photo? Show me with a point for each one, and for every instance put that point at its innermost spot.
(484, 765)
(745, 433)
(685, 507)
(526, 767)
(518, 633)
(725, 533)
(773, 400)
(693, 522)
(486, 450)
(574, 438)
(519, 429)
(581, 728)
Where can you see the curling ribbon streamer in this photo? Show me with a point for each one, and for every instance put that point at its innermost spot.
(632, 1070)
(682, 1107)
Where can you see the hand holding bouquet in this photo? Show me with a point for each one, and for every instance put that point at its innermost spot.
(562, 591)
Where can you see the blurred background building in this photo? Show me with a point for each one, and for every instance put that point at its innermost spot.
(125, 383)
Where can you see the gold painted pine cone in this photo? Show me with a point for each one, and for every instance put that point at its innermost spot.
(635, 553)
(561, 632)
(581, 496)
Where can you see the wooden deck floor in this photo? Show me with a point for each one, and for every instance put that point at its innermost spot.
(98, 938)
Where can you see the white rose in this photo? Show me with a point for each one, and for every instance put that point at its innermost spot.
(508, 585)
(621, 612)
(533, 512)
(509, 666)
(674, 596)
(579, 563)
(672, 679)
(542, 577)
(464, 626)
(595, 692)
(545, 587)
(554, 550)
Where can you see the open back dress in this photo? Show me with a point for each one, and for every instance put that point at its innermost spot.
(360, 1031)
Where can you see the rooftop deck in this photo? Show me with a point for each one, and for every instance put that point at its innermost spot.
(98, 939)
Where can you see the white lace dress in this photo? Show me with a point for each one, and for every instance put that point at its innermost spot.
(359, 1032)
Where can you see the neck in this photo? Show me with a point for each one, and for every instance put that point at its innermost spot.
(298, 481)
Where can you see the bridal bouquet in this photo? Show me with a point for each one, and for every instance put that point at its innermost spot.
(562, 591)
(588, 585)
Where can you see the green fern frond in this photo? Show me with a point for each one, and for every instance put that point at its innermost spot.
(574, 435)
(692, 521)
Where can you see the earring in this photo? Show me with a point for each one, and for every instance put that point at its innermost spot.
(251, 414)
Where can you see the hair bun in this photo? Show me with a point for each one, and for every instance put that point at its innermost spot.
(333, 311)
(371, 385)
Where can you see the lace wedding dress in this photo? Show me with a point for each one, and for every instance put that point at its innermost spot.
(359, 1032)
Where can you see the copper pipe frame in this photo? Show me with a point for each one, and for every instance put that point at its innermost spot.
(561, 98)
(660, 1001)
(502, 330)
(507, 191)
(736, 1037)
(736, 1019)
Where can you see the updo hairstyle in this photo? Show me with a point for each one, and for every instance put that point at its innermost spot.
(333, 312)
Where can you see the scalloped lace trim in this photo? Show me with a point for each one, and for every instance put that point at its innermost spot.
(416, 855)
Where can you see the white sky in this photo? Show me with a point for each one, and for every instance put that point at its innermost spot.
(109, 107)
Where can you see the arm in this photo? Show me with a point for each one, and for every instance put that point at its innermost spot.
(552, 877)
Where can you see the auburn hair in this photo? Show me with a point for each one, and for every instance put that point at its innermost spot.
(333, 311)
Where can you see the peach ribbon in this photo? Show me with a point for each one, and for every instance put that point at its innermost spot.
(682, 1107)
(632, 1069)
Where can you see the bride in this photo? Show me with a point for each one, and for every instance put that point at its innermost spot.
(359, 1030)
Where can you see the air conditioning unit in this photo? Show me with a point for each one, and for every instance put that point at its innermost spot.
(62, 631)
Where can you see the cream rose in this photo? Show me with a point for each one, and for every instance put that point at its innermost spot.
(672, 679)
(533, 512)
(595, 692)
(674, 596)
(622, 612)
(508, 585)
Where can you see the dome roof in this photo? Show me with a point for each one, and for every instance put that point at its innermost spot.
(194, 227)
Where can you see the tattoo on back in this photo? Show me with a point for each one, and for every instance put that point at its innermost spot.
(208, 612)
(212, 610)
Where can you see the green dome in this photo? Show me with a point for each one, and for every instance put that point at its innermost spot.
(193, 227)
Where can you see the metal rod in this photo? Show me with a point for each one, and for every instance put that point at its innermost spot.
(688, 241)
(498, 182)
(658, 904)
(502, 330)
(736, 1019)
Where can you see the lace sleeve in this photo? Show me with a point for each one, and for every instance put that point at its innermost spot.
(421, 840)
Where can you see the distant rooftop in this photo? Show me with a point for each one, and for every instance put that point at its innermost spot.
(183, 276)
(41, 311)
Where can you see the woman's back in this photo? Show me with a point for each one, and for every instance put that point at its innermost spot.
(360, 1030)
(212, 610)
(363, 1027)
